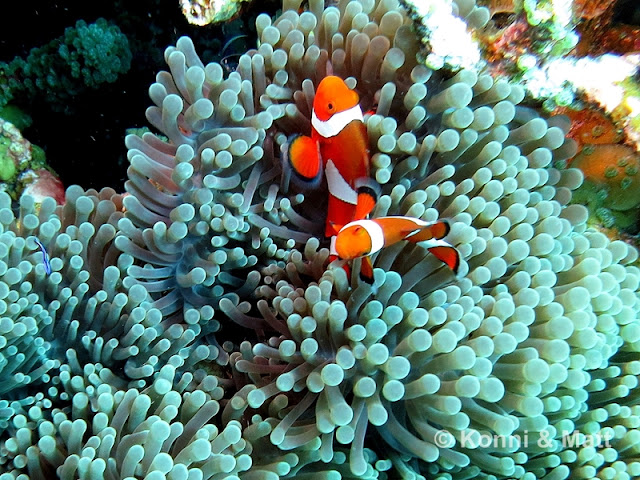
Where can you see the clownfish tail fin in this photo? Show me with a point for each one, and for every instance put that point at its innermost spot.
(447, 254)
(368, 191)
(301, 155)
(431, 231)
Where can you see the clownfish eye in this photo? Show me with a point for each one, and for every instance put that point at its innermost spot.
(330, 106)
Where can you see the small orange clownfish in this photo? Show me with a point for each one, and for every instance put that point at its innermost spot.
(365, 237)
(339, 148)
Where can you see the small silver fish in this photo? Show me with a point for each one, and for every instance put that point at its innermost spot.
(45, 257)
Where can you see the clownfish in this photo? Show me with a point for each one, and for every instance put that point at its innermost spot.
(366, 237)
(338, 148)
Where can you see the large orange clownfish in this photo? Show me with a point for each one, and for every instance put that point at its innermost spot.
(339, 148)
(366, 237)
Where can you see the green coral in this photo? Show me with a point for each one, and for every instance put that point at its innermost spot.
(553, 22)
(203, 12)
(596, 199)
(7, 165)
(16, 116)
(86, 56)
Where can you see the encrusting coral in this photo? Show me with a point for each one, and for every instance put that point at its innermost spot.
(192, 328)
(22, 167)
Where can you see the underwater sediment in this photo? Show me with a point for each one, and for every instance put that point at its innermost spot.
(191, 328)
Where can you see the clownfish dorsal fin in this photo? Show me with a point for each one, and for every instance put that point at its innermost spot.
(429, 231)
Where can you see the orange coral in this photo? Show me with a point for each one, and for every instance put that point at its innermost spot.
(590, 126)
(615, 167)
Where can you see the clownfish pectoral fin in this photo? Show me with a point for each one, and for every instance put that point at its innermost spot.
(447, 254)
(431, 231)
(341, 264)
(302, 155)
(368, 193)
(366, 270)
(336, 229)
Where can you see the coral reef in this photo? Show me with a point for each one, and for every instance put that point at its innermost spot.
(22, 166)
(533, 43)
(596, 78)
(42, 183)
(193, 328)
(523, 35)
(204, 12)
